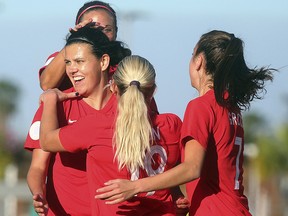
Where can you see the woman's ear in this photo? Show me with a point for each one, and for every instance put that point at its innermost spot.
(199, 61)
(113, 87)
(105, 61)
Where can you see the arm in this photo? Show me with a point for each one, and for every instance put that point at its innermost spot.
(49, 129)
(36, 179)
(118, 190)
(54, 72)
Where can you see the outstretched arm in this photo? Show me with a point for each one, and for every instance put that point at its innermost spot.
(119, 190)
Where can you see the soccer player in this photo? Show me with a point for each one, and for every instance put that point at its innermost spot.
(212, 133)
(130, 142)
(88, 55)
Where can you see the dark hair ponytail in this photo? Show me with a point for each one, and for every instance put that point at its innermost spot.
(235, 85)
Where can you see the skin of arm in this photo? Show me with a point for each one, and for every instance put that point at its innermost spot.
(119, 190)
(36, 176)
(49, 129)
(54, 72)
(36, 179)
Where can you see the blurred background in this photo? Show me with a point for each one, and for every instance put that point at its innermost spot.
(165, 33)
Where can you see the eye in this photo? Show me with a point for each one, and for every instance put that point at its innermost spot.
(79, 61)
(67, 62)
(107, 30)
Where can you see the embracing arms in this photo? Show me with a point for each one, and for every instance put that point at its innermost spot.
(119, 190)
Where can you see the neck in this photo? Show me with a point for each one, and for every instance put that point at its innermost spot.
(204, 90)
(99, 100)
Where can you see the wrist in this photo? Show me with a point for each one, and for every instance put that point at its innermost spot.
(138, 186)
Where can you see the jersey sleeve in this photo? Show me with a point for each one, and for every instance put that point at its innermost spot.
(170, 125)
(49, 59)
(91, 130)
(197, 123)
(32, 139)
(175, 125)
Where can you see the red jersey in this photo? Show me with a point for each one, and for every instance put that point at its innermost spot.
(219, 190)
(67, 184)
(95, 133)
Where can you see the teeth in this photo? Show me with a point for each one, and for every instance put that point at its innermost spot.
(78, 78)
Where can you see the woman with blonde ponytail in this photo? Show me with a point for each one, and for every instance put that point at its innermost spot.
(135, 84)
(129, 140)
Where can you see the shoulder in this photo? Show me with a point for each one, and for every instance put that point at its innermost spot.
(203, 103)
(53, 54)
(51, 57)
(48, 60)
(169, 121)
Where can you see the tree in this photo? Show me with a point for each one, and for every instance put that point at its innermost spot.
(8, 102)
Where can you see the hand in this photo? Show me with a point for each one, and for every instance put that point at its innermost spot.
(182, 205)
(57, 95)
(88, 22)
(116, 191)
(40, 205)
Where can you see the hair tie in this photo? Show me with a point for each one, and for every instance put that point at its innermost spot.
(135, 82)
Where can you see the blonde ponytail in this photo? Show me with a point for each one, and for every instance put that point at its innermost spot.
(135, 79)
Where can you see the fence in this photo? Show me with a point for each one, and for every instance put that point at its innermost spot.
(15, 197)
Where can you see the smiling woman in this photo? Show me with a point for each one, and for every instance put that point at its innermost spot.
(88, 55)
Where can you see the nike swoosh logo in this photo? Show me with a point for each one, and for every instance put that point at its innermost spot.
(71, 121)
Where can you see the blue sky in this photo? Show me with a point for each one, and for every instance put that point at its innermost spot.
(164, 32)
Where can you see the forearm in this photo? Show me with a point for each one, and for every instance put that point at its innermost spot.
(119, 190)
(180, 174)
(54, 72)
(49, 121)
(36, 180)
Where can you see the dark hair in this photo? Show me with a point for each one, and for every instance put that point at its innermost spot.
(100, 44)
(225, 63)
(96, 5)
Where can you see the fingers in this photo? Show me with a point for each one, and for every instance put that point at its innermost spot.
(72, 95)
(56, 94)
(109, 192)
(111, 199)
(116, 201)
(40, 205)
(182, 203)
(105, 193)
(40, 208)
(82, 24)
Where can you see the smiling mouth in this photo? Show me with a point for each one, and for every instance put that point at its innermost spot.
(77, 79)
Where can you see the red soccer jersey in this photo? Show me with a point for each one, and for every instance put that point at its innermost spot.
(95, 134)
(219, 191)
(67, 184)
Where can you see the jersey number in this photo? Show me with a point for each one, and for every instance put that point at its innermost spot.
(238, 141)
(149, 164)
